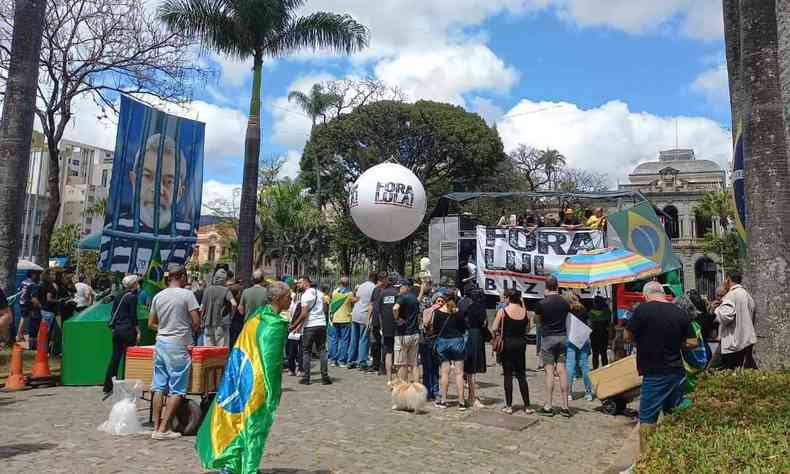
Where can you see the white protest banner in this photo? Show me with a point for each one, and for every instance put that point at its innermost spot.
(578, 332)
(514, 257)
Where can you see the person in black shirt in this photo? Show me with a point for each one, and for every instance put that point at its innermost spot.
(406, 313)
(475, 361)
(451, 347)
(123, 324)
(570, 221)
(512, 322)
(382, 308)
(374, 331)
(552, 314)
(660, 330)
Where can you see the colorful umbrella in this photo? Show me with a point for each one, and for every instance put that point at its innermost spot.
(604, 267)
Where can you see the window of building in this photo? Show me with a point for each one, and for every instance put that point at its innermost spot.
(703, 225)
(104, 176)
(672, 224)
(212, 253)
(73, 173)
(268, 262)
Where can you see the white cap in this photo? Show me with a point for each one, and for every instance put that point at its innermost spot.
(130, 280)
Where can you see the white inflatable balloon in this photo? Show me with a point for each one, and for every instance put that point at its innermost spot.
(387, 202)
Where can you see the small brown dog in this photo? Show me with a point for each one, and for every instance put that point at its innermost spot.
(408, 396)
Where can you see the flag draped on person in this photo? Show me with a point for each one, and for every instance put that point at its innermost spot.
(154, 280)
(234, 432)
(340, 302)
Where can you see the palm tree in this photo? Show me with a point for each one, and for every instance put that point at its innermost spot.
(552, 161)
(315, 104)
(259, 29)
(754, 71)
(16, 128)
(716, 204)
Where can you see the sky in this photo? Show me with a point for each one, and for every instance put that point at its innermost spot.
(608, 83)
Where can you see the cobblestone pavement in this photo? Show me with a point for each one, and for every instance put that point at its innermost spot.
(347, 427)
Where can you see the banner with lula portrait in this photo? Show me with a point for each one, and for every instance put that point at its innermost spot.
(156, 189)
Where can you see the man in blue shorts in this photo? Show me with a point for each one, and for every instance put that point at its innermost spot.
(175, 316)
(660, 330)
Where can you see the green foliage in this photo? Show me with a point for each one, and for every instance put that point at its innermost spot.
(737, 422)
(448, 149)
(63, 242)
(315, 103)
(726, 248)
(99, 208)
(716, 204)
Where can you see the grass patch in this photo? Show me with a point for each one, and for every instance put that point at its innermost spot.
(738, 422)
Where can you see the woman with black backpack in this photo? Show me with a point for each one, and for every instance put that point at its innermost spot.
(123, 324)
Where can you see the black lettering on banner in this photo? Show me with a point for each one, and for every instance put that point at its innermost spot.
(492, 234)
(490, 284)
(529, 288)
(557, 240)
(520, 239)
(537, 265)
(510, 262)
(581, 241)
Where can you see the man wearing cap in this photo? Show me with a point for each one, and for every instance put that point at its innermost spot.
(123, 324)
(216, 308)
(406, 313)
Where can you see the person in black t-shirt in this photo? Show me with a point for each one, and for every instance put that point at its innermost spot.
(406, 313)
(660, 330)
(552, 314)
(382, 308)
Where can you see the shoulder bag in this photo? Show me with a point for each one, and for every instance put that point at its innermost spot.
(498, 341)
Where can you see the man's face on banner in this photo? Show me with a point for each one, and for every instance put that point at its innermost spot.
(167, 183)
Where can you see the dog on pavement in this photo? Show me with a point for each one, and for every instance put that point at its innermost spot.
(409, 396)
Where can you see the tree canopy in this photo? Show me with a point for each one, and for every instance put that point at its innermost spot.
(448, 148)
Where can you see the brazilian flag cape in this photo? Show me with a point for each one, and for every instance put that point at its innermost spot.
(233, 434)
(341, 301)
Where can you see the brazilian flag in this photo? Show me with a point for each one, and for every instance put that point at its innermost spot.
(340, 305)
(154, 280)
(641, 232)
(233, 434)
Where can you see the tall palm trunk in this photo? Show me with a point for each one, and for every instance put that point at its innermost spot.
(249, 191)
(16, 130)
(767, 180)
(732, 33)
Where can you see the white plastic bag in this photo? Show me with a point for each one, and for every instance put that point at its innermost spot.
(123, 418)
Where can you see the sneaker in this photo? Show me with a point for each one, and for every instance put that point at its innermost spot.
(478, 404)
(588, 397)
(351, 366)
(292, 373)
(570, 398)
(507, 410)
(546, 411)
(462, 406)
(159, 436)
(342, 365)
(529, 411)
(566, 413)
(440, 404)
(106, 395)
(299, 373)
(326, 381)
(304, 381)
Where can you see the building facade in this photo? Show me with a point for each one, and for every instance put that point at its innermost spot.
(676, 183)
(85, 174)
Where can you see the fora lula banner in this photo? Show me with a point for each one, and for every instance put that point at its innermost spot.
(514, 257)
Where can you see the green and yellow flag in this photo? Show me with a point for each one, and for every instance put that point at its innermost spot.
(641, 232)
(340, 306)
(154, 280)
(233, 434)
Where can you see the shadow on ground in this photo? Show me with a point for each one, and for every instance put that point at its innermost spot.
(11, 450)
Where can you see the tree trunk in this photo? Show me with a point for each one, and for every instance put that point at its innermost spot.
(732, 37)
(16, 130)
(767, 190)
(53, 208)
(249, 186)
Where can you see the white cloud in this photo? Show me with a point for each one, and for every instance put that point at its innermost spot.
(291, 166)
(445, 74)
(700, 19)
(214, 190)
(610, 139)
(290, 125)
(713, 84)
(487, 109)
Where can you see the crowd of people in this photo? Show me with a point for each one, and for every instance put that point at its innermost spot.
(52, 296)
(571, 219)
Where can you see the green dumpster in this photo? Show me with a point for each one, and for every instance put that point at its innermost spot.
(87, 344)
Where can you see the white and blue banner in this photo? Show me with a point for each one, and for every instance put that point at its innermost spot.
(156, 189)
